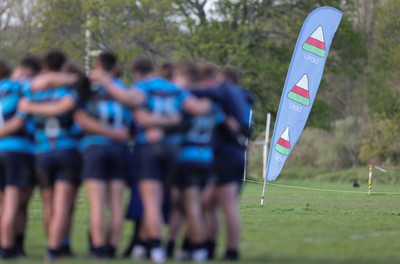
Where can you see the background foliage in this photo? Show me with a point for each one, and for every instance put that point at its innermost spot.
(356, 116)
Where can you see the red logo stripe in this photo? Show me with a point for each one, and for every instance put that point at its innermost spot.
(316, 43)
(284, 143)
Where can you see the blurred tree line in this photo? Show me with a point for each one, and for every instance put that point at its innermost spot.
(355, 118)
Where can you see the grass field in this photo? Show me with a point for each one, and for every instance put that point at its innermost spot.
(293, 226)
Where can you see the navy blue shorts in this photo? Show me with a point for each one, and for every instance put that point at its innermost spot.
(157, 162)
(16, 169)
(106, 162)
(192, 175)
(229, 165)
(58, 165)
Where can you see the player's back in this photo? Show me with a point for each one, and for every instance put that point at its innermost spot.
(108, 111)
(165, 99)
(54, 132)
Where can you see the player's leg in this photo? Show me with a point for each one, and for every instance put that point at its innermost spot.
(25, 196)
(14, 179)
(194, 217)
(95, 171)
(68, 164)
(230, 173)
(66, 241)
(8, 216)
(62, 202)
(151, 191)
(210, 218)
(175, 220)
(22, 218)
(228, 200)
(118, 177)
(96, 193)
(45, 173)
(117, 214)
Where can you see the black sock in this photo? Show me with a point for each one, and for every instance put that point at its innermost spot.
(19, 244)
(170, 249)
(54, 252)
(231, 254)
(186, 245)
(154, 243)
(99, 252)
(197, 246)
(9, 253)
(110, 251)
(210, 247)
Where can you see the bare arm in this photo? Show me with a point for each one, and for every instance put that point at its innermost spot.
(130, 98)
(147, 119)
(52, 80)
(47, 109)
(197, 106)
(11, 126)
(92, 125)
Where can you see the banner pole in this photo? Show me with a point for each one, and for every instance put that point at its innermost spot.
(245, 153)
(265, 156)
(369, 179)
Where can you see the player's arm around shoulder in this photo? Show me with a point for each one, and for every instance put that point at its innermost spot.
(52, 80)
(54, 108)
(197, 106)
(129, 97)
(91, 125)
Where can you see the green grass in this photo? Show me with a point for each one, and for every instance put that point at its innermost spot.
(294, 225)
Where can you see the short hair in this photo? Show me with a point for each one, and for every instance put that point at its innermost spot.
(207, 70)
(165, 70)
(231, 75)
(188, 69)
(5, 70)
(31, 62)
(142, 64)
(107, 60)
(54, 60)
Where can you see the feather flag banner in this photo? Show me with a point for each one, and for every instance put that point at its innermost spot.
(301, 85)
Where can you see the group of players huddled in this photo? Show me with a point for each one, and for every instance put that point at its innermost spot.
(176, 137)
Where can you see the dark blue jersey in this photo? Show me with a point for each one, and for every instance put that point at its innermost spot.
(109, 112)
(20, 141)
(165, 99)
(54, 132)
(196, 145)
(236, 103)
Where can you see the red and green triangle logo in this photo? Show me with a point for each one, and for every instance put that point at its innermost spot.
(283, 144)
(300, 92)
(316, 43)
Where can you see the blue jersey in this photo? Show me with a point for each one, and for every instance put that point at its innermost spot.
(196, 145)
(20, 141)
(54, 132)
(108, 111)
(165, 99)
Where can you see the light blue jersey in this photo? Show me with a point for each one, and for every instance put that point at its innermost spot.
(55, 132)
(165, 99)
(108, 111)
(20, 141)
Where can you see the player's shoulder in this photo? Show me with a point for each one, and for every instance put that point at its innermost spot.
(8, 85)
(157, 84)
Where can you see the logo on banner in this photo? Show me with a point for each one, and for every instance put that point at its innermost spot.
(316, 43)
(300, 93)
(283, 144)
